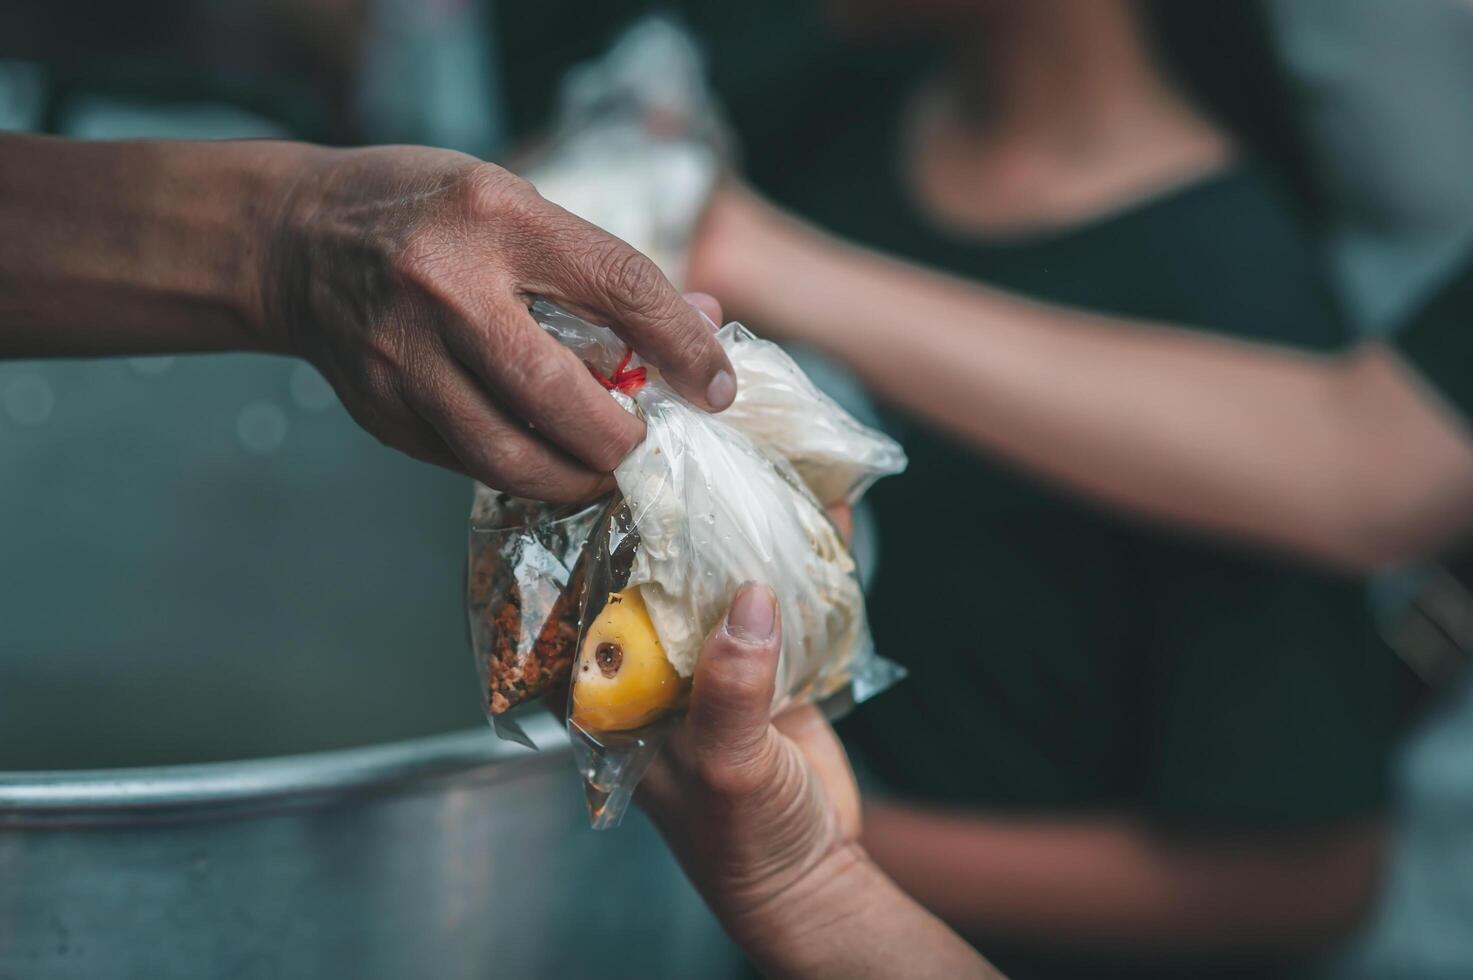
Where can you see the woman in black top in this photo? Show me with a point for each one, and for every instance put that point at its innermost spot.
(1112, 737)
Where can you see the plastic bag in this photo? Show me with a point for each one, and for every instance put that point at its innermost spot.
(524, 596)
(638, 143)
(781, 410)
(705, 503)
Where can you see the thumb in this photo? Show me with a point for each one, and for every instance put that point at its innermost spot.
(731, 695)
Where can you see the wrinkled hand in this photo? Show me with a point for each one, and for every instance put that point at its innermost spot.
(756, 809)
(404, 274)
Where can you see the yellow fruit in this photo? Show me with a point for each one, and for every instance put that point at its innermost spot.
(622, 679)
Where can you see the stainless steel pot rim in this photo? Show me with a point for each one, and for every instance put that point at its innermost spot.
(235, 784)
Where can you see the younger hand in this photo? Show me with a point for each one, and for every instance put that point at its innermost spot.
(756, 809)
(764, 816)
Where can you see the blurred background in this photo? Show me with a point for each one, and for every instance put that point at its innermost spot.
(202, 559)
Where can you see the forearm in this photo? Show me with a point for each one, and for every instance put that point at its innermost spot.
(125, 247)
(849, 921)
(1294, 450)
(1110, 882)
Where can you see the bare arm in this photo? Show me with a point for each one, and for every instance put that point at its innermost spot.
(764, 816)
(402, 273)
(1343, 458)
(134, 247)
(1108, 881)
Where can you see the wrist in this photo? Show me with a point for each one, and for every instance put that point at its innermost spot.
(797, 929)
(277, 199)
(136, 246)
(845, 919)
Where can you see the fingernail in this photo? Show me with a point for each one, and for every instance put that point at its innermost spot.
(753, 613)
(721, 392)
(705, 317)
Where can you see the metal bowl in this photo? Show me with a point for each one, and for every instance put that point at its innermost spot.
(450, 856)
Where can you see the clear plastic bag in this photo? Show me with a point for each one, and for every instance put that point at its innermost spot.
(524, 596)
(638, 142)
(618, 597)
(781, 410)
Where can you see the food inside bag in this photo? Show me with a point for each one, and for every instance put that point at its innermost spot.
(625, 679)
(524, 593)
(705, 503)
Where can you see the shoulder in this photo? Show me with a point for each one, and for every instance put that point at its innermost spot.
(1237, 255)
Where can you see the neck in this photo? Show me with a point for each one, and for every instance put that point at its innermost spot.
(1053, 66)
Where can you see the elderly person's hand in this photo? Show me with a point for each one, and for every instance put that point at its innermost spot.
(405, 273)
(764, 816)
(402, 273)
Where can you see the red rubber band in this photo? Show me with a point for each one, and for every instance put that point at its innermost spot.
(624, 379)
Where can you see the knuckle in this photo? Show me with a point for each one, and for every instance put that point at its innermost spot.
(626, 276)
(486, 464)
(609, 452)
(384, 355)
(489, 190)
(513, 458)
(544, 370)
(537, 481)
(686, 347)
(531, 231)
(720, 776)
(371, 368)
(735, 770)
(742, 679)
(734, 678)
(483, 340)
(423, 256)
